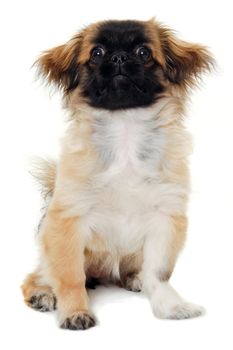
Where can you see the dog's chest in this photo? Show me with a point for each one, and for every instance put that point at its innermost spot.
(128, 144)
(123, 191)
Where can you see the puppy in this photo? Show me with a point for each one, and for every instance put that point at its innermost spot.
(117, 197)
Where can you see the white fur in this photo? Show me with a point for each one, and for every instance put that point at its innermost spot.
(127, 202)
(165, 301)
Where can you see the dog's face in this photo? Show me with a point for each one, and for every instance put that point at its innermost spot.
(123, 64)
(121, 71)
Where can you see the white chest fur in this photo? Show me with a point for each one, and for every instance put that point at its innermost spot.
(130, 150)
(129, 189)
(128, 141)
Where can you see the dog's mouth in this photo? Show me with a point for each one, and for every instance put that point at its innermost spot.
(121, 75)
(121, 82)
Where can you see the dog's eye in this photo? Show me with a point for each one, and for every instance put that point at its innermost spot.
(143, 53)
(97, 53)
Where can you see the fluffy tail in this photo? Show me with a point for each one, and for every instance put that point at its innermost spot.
(44, 171)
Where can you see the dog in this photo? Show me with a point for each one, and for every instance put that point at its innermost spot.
(117, 196)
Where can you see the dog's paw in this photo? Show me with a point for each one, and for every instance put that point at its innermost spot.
(185, 310)
(180, 311)
(168, 304)
(80, 320)
(42, 301)
(132, 283)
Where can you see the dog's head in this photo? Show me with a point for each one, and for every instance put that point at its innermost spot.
(124, 64)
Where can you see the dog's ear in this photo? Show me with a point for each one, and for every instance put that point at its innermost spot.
(184, 62)
(60, 64)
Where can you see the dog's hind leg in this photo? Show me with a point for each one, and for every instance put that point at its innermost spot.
(130, 267)
(37, 295)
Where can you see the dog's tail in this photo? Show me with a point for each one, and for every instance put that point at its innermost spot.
(44, 171)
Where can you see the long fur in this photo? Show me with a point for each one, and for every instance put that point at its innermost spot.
(119, 192)
(44, 172)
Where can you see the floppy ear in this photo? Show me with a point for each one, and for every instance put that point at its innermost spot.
(60, 64)
(184, 62)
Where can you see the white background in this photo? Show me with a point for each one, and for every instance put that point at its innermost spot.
(31, 124)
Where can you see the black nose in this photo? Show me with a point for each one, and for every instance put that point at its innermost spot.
(119, 58)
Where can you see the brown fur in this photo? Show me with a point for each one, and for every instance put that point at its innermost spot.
(182, 62)
(130, 266)
(32, 285)
(64, 250)
(69, 259)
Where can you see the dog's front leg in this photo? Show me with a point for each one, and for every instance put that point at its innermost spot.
(63, 248)
(162, 245)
